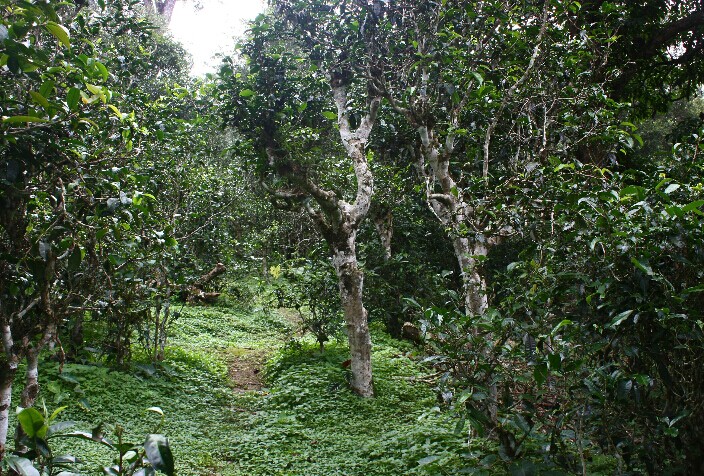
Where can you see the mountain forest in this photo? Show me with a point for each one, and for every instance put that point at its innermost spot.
(383, 237)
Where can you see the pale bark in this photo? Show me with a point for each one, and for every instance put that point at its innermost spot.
(384, 224)
(453, 212)
(164, 8)
(29, 393)
(8, 369)
(473, 283)
(7, 375)
(338, 222)
(31, 385)
(351, 282)
(350, 277)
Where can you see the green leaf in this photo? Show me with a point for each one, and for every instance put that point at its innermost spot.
(633, 190)
(21, 466)
(428, 460)
(19, 119)
(32, 423)
(619, 318)
(695, 289)
(59, 427)
(329, 115)
(39, 99)
(118, 114)
(56, 412)
(564, 166)
(47, 88)
(96, 90)
(478, 77)
(102, 69)
(245, 93)
(563, 323)
(671, 188)
(540, 373)
(72, 98)
(643, 266)
(74, 261)
(60, 32)
(694, 207)
(159, 454)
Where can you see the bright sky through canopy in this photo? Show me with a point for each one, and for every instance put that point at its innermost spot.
(207, 27)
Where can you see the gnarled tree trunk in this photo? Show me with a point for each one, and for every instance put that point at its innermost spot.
(351, 282)
(338, 221)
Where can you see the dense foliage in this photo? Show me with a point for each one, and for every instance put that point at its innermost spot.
(513, 186)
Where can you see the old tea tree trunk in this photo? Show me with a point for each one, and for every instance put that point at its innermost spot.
(338, 222)
(344, 258)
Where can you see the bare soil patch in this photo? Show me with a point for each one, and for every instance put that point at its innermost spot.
(245, 368)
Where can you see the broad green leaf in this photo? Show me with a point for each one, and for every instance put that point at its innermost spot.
(102, 69)
(619, 318)
(540, 373)
(47, 88)
(32, 423)
(19, 119)
(671, 188)
(64, 459)
(22, 466)
(159, 454)
(39, 99)
(478, 77)
(59, 427)
(96, 90)
(643, 266)
(72, 98)
(633, 190)
(694, 207)
(428, 460)
(116, 111)
(563, 323)
(674, 211)
(60, 32)
(95, 436)
(329, 115)
(245, 93)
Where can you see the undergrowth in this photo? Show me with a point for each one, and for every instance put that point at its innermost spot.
(306, 421)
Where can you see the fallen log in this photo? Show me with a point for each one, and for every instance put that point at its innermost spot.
(196, 293)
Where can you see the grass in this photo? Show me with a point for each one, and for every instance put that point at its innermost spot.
(306, 422)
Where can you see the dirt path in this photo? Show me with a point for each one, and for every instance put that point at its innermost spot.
(245, 365)
(245, 368)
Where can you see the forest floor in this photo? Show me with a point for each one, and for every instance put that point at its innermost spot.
(244, 394)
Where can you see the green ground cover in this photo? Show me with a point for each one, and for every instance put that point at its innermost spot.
(303, 419)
